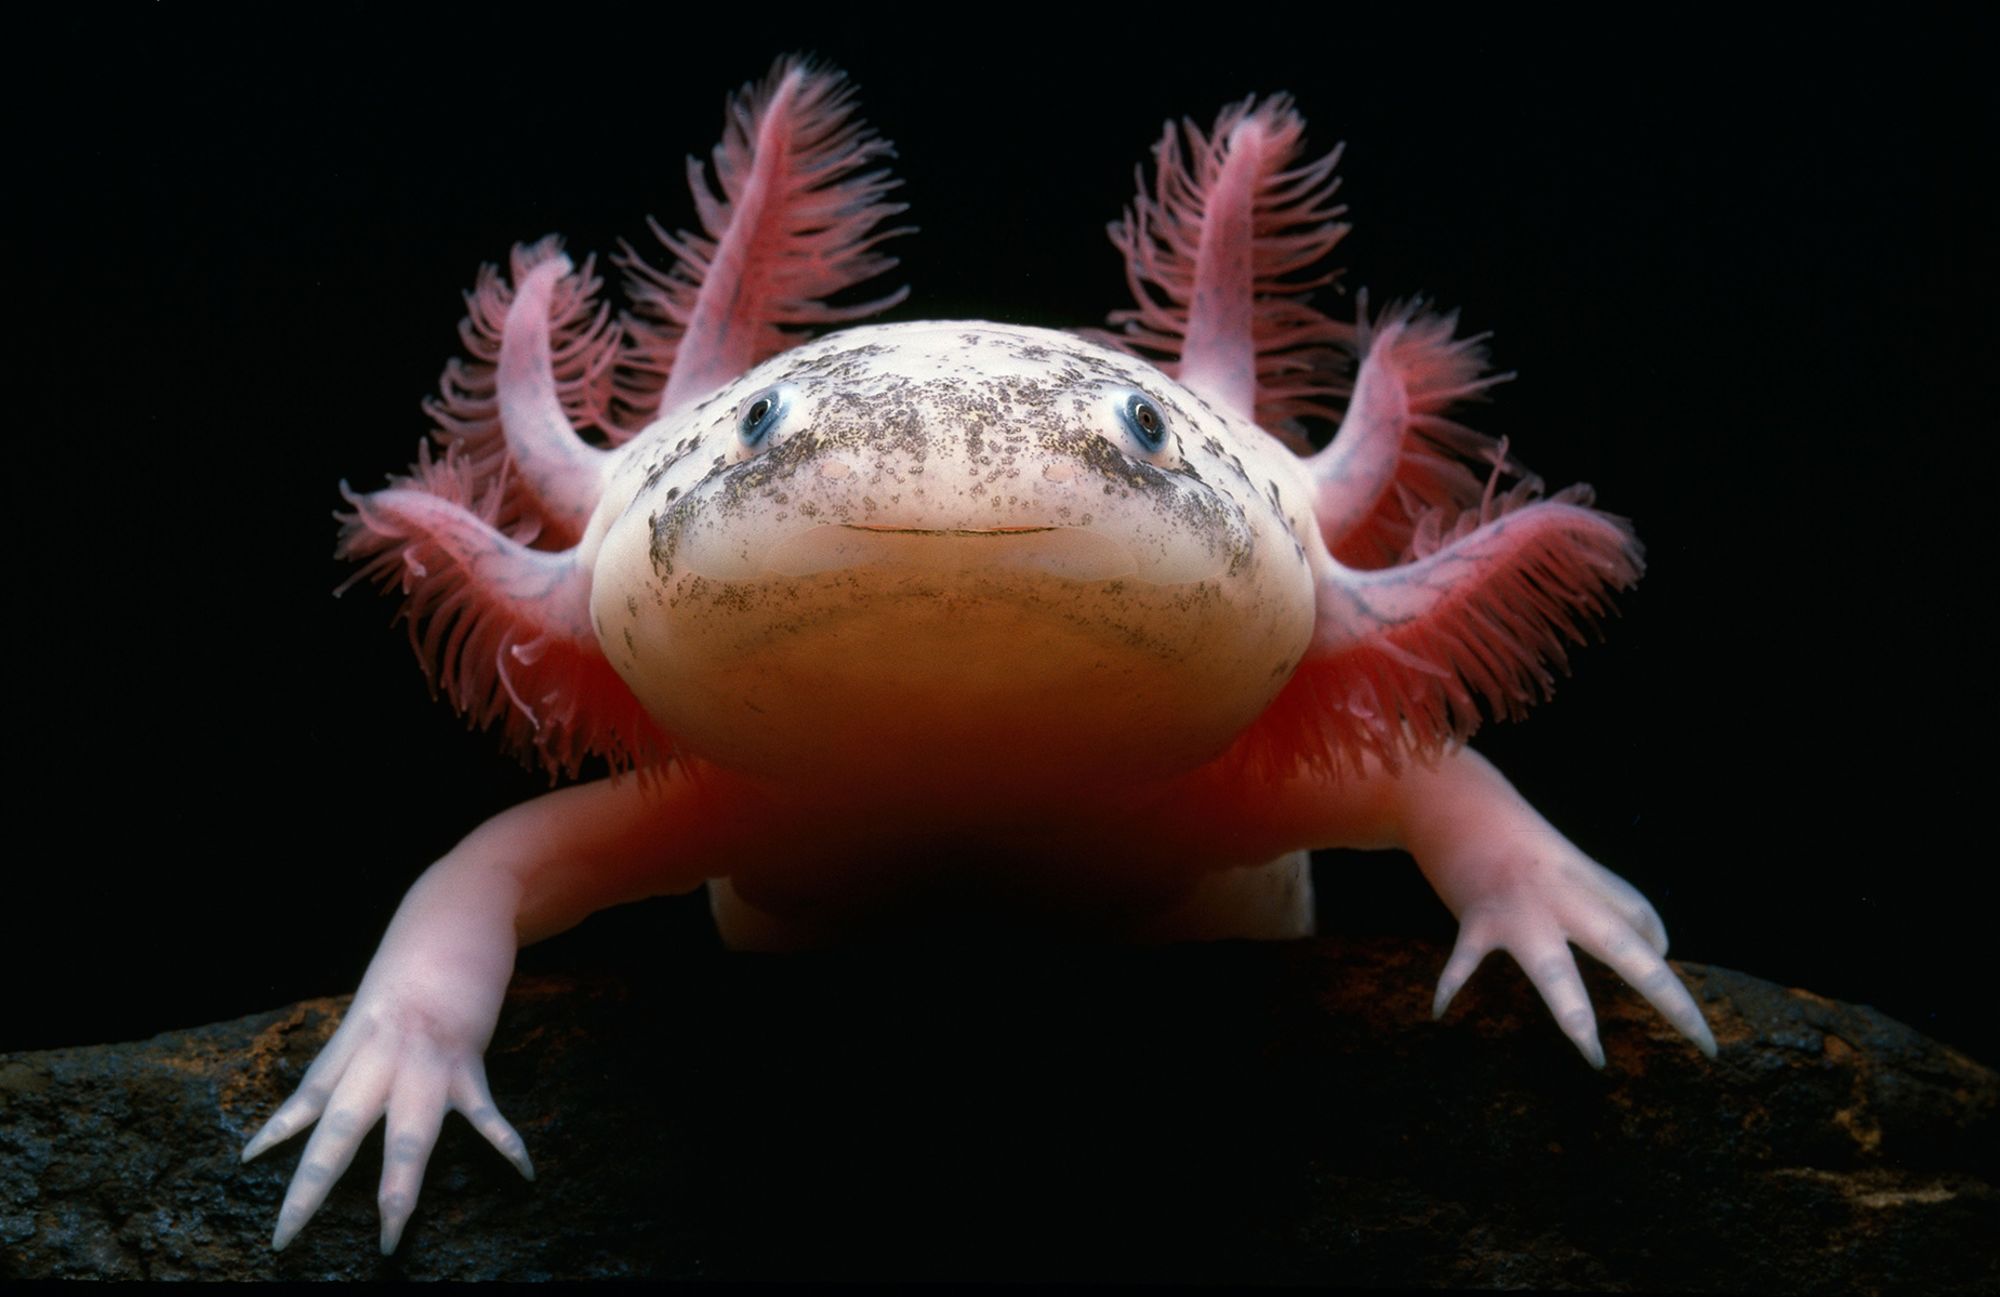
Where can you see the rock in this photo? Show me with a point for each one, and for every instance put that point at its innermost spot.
(1277, 1113)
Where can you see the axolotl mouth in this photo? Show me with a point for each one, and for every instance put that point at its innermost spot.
(1070, 553)
(897, 652)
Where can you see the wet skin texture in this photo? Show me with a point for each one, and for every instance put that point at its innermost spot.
(921, 630)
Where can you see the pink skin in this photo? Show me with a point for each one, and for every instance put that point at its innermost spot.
(1439, 597)
(559, 469)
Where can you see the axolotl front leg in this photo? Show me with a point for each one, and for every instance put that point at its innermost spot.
(412, 1043)
(1515, 884)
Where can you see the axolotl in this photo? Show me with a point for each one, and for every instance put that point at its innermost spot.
(958, 623)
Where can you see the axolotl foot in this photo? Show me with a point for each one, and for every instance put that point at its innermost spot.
(381, 1062)
(1537, 910)
(411, 1047)
(1518, 885)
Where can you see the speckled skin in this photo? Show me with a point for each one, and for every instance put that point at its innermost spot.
(924, 476)
(955, 627)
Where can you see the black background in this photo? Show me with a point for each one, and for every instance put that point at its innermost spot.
(1732, 263)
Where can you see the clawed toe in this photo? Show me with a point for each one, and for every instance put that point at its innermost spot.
(1536, 917)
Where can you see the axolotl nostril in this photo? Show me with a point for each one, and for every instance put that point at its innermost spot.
(838, 606)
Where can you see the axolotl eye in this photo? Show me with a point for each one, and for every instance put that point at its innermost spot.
(761, 413)
(1144, 422)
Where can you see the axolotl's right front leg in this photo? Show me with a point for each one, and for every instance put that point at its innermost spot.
(412, 1044)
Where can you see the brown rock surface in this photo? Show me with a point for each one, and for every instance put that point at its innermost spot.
(1248, 1112)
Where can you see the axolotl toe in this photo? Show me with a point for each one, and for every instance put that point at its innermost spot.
(959, 623)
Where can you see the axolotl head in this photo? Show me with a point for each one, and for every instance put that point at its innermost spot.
(946, 548)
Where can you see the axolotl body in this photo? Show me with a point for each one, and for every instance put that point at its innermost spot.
(960, 623)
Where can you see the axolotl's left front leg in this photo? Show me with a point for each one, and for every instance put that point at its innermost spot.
(1513, 881)
(412, 1044)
